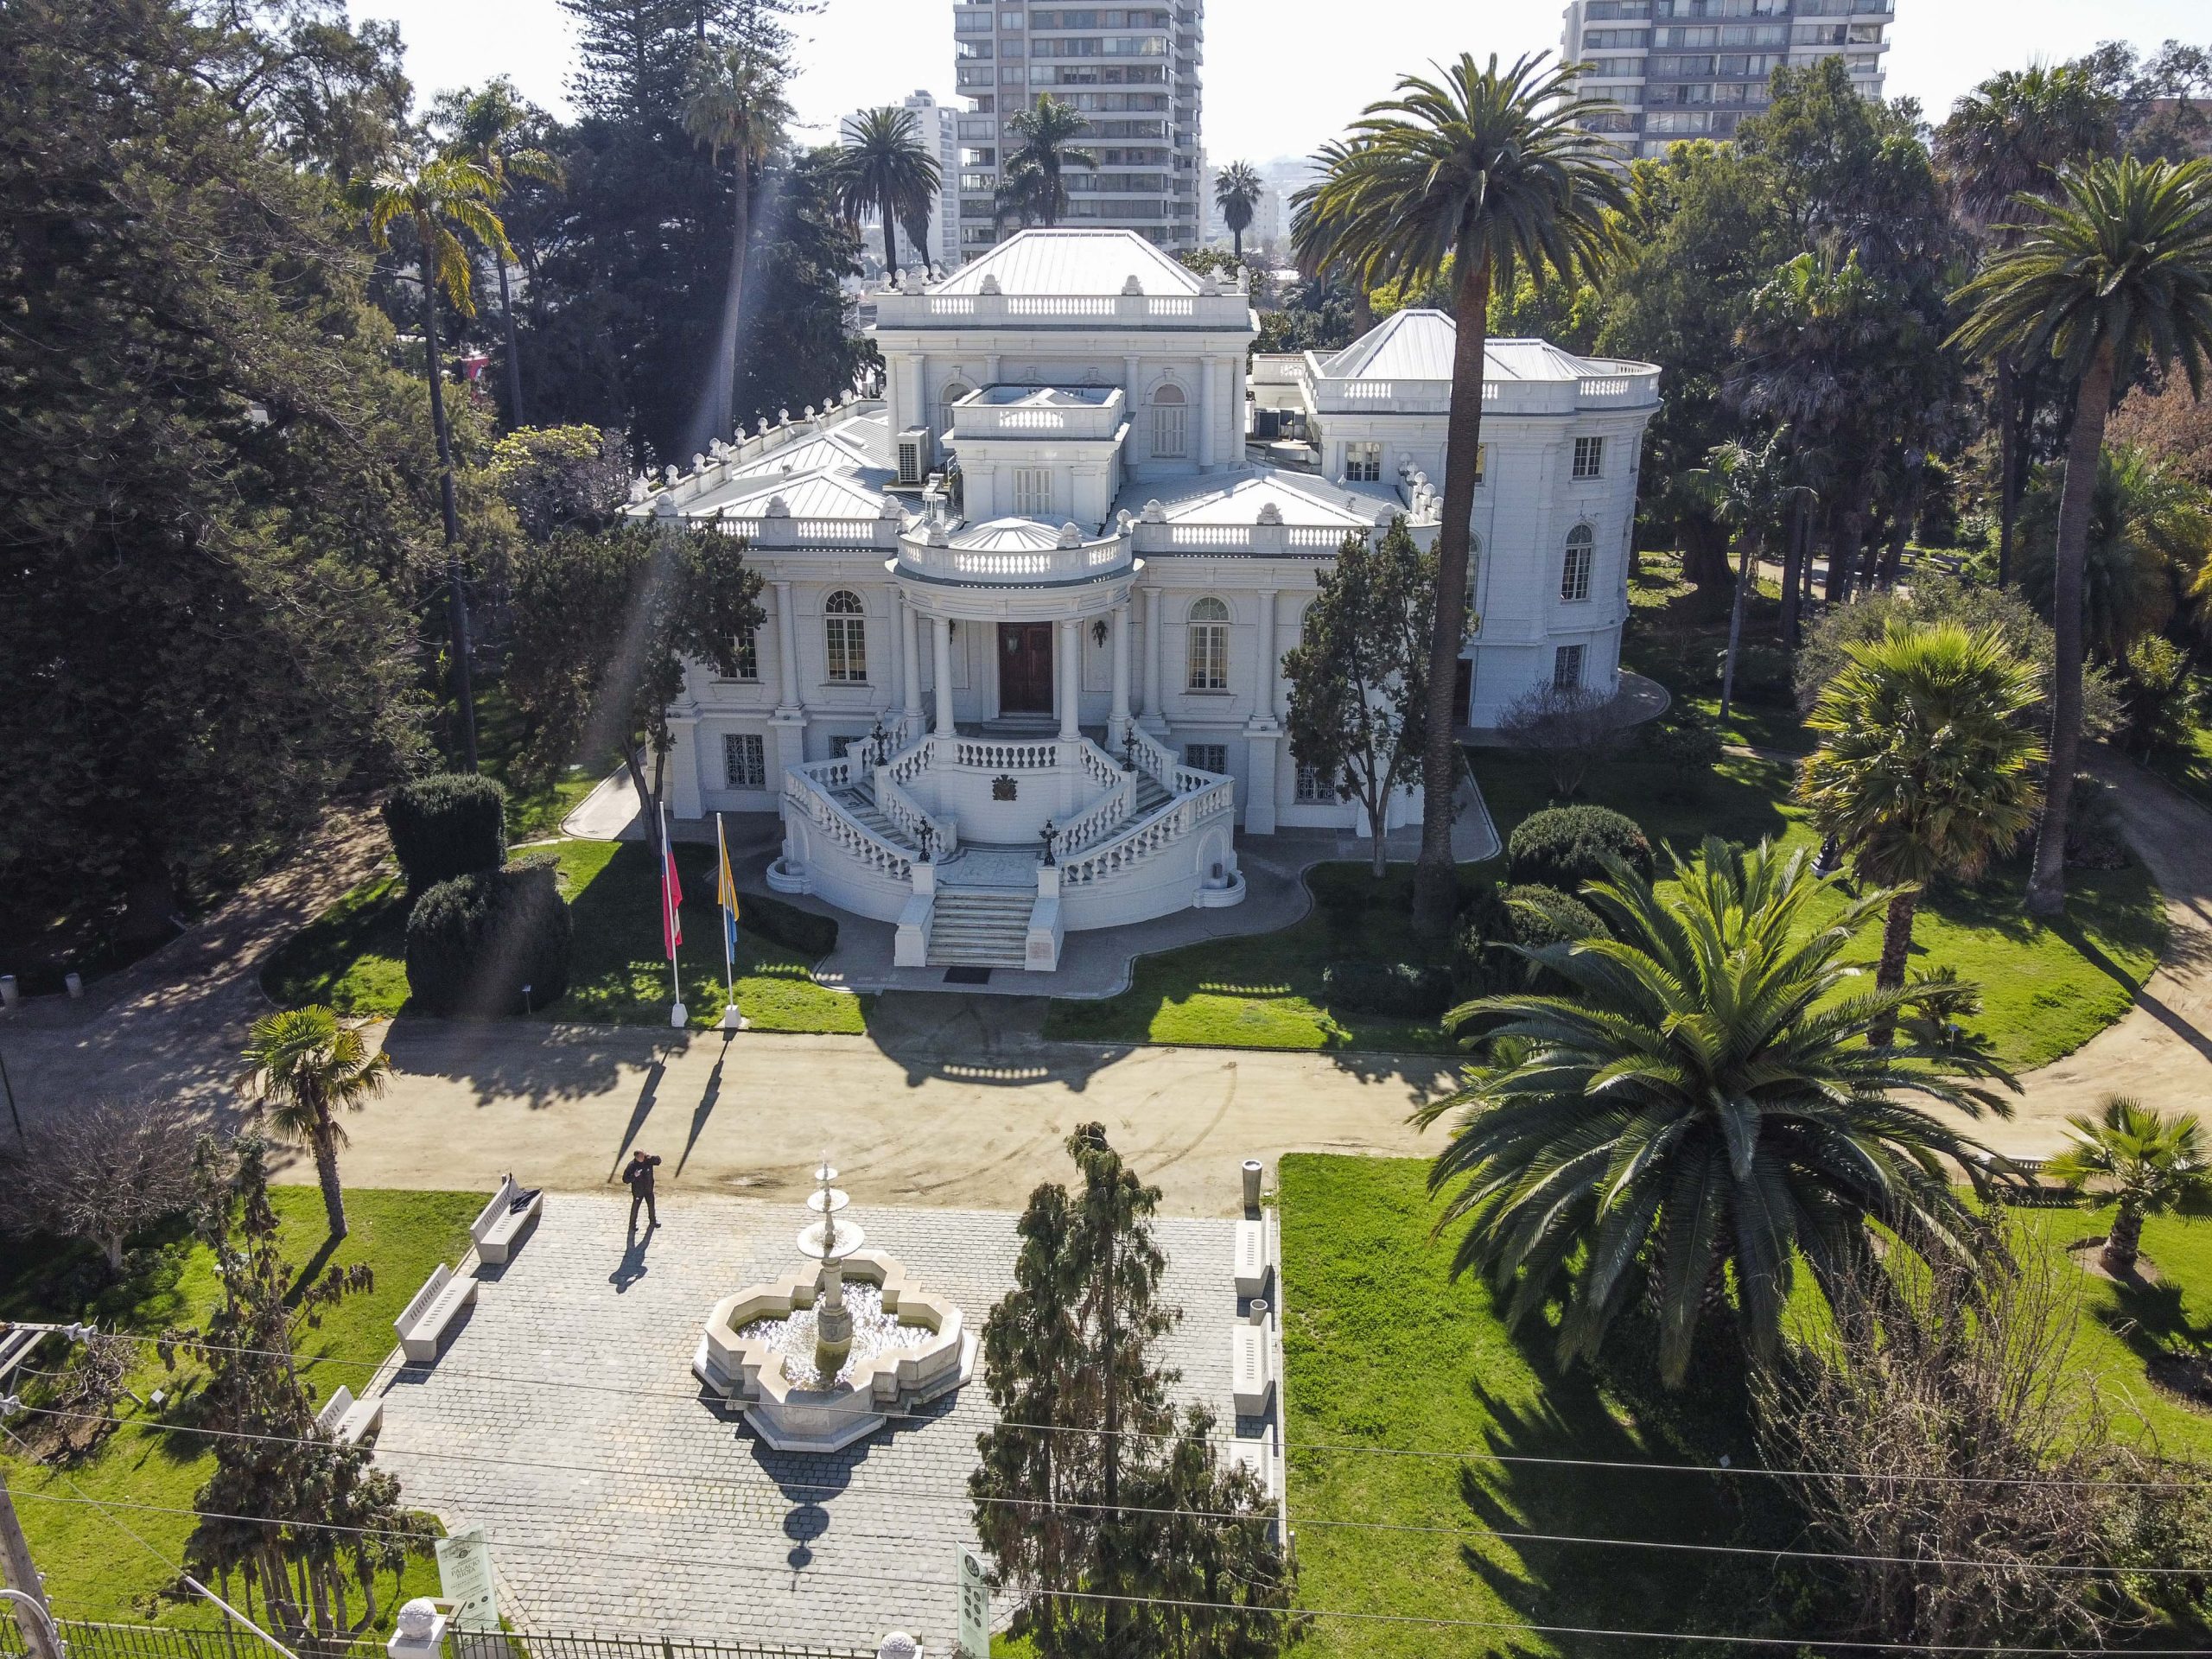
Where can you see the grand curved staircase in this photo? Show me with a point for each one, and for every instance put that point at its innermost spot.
(1133, 839)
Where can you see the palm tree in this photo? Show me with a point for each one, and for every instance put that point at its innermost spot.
(2010, 137)
(733, 101)
(308, 1068)
(443, 200)
(2158, 1163)
(1237, 191)
(487, 129)
(1698, 1110)
(1492, 170)
(1926, 767)
(2120, 268)
(2149, 533)
(1749, 489)
(1033, 182)
(883, 168)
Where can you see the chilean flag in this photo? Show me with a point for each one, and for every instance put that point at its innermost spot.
(671, 902)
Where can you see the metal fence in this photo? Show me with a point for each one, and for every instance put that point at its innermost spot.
(87, 1640)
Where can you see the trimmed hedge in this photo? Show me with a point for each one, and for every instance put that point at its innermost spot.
(1394, 987)
(474, 941)
(448, 824)
(1544, 915)
(1565, 847)
(800, 931)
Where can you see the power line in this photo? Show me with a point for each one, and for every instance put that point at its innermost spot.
(1331, 1447)
(1502, 1535)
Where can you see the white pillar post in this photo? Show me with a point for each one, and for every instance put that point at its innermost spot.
(1266, 661)
(1119, 723)
(786, 645)
(1263, 737)
(1155, 631)
(1206, 376)
(1070, 675)
(941, 647)
(910, 656)
(895, 680)
(788, 724)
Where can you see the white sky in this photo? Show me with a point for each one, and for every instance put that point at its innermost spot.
(1280, 75)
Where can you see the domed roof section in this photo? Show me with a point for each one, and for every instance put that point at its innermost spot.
(1061, 261)
(1009, 536)
(1420, 343)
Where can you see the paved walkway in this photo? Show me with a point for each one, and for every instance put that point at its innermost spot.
(563, 1417)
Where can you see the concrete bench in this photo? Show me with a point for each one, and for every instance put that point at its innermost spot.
(1251, 1369)
(499, 1227)
(347, 1421)
(423, 1326)
(1251, 1258)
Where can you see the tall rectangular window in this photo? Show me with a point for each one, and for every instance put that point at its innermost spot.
(844, 638)
(745, 761)
(1589, 457)
(1364, 463)
(1574, 574)
(1209, 646)
(1033, 490)
(1314, 789)
(748, 655)
(1567, 668)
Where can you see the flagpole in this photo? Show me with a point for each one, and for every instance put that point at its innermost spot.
(729, 925)
(677, 1016)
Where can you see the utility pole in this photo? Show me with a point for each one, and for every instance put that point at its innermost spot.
(23, 1577)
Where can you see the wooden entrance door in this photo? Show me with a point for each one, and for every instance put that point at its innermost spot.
(1025, 668)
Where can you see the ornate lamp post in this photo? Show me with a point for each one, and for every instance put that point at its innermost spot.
(1049, 836)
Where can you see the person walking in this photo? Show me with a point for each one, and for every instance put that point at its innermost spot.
(638, 1175)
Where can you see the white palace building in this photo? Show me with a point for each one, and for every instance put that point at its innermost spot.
(1038, 584)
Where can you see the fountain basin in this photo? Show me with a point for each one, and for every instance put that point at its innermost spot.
(744, 1368)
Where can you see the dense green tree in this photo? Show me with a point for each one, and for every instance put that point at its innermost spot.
(1750, 488)
(1492, 168)
(2008, 137)
(1237, 189)
(883, 168)
(215, 493)
(1926, 768)
(2156, 1164)
(2118, 269)
(733, 101)
(2165, 100)
(1360, 675)
(803, 343)
(1701, 1115)
(604, 624)
(2150, 537)
(1087, 1489)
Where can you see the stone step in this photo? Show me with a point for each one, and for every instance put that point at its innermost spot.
(979, 929)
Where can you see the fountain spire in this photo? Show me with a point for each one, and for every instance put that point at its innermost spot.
(827, 1242)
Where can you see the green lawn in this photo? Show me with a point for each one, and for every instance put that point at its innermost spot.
(353, 956)
(93, 1570)
(1383, 1351)
(2047, 990)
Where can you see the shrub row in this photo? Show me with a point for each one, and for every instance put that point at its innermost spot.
(800, 931)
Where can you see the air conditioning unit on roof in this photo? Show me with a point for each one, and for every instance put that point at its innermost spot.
(917, 456)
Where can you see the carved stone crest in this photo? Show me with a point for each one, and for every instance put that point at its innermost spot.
(1004, 787)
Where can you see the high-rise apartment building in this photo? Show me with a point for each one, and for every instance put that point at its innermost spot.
(1695, 68)
(1133, 73)
(937, 130)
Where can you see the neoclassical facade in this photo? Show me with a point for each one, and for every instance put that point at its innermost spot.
(1021, 672)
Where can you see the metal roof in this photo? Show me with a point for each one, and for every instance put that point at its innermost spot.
(1418, 344)
(1072, 262)
(1009, 536)
(1236, 498)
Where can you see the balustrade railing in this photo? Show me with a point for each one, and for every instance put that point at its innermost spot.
(1042, 564)
(992, 755)
(1153, 756)
(810, 796)
(1171, 823)
(1101, 766)
(1102, 820)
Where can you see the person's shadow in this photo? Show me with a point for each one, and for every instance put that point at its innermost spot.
(631, 1267)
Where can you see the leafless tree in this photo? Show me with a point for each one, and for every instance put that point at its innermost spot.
(102, 1172)
(1981, 1479)
(1571, 726)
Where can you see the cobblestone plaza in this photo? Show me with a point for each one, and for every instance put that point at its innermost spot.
(563, 1419)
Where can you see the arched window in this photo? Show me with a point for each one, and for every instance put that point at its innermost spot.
(1574, 574)
(1171, 433)
(953, 394)
(1209, 646)
(844, 630)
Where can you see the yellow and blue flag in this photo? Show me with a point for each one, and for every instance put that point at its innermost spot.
(726, 895)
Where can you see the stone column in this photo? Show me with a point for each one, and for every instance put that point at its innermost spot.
(789, 722)
(1207, 367)
(1068, 674)
(918, 395)
(1155, 651)
(1266, 661)
(1119, 723)
(1263, 737)
(895, 680)
(910, 656)
(941, 647)
(786, 645)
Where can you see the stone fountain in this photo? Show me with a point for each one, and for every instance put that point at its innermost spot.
(827, 1356)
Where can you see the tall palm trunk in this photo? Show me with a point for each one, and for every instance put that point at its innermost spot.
(723, 397)
(1793, 565)
(1851, 539)
(1897, 954)
(514, 363)
(1747, 566)
(1238, 237)
(2124, 1244)
(2008, 465)
(456, 588)
(2093, 404)
(326, 1175)
(1436, 879)
(890, 235)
